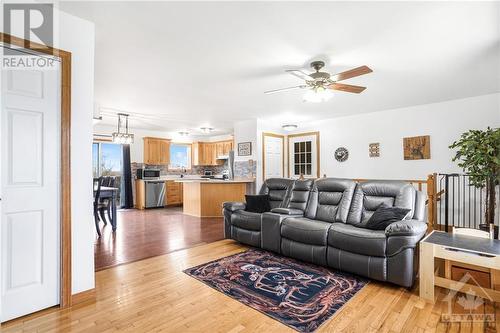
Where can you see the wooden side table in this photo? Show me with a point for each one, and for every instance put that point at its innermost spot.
(459, 248)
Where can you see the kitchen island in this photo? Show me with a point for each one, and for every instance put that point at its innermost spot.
(204, 198)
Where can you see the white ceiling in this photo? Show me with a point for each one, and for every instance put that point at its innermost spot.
(195, 64)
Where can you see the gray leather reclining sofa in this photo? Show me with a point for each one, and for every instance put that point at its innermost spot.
(320, 222)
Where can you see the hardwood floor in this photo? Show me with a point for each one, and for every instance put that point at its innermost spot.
(143, 234)
(154, 295)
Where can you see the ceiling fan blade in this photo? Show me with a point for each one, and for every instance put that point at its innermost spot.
(300, 74)
(351, 73)
(346, 88)
(284, 89)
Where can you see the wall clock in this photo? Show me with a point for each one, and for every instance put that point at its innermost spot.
(341, 154)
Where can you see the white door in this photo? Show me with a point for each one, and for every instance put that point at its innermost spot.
(30, 206)
(303, 158)
(273, 156)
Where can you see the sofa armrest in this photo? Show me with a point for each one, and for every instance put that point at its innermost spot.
(271, 230)
(403, 235)
(228, 208)
(287, 211)
(234, 206)
(406, 228)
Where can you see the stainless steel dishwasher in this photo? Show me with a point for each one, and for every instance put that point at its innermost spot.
(155, 193)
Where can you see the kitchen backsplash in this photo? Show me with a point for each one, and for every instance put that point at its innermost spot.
(195, 170)
(243, 169)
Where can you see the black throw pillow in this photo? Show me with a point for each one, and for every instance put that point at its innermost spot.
(258, 203)
(385, 215)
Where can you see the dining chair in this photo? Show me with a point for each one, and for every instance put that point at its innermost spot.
(98, 206)
(111, 183)
(105, 202)
(105, 181)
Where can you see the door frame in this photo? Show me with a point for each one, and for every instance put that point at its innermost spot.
(65, 235)
(273, 135)
(317, 148)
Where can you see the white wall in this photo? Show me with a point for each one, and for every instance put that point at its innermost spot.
(77, 36)
(444, 122)
(245, 131)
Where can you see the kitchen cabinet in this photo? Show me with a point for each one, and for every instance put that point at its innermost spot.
(173, 193)
(203, 154)
(223, 148)
(156, 151)
(206, 153)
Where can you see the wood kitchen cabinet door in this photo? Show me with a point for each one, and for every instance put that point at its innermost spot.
(156, 151)
(195, 153)
(174, 193)
(151, 150)
(211, 154)
(164, 152)
(227, 147)
(219, 148)
(205, 154)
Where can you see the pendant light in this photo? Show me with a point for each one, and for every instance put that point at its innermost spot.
(123, 138)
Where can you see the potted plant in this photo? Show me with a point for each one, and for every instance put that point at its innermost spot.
(478, 154)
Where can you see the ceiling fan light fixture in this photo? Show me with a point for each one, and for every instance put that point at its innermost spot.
(206, 130)
(183, 133)
(289, 127)
(317, 95)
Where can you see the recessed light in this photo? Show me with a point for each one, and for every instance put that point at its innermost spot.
(206, 129)
(289, 127)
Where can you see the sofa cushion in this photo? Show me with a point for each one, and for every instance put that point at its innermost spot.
(305, 230)
(257, 203)
(369, 195)
(357, 240)
(330, 199)
(246, 220)
(300, 194)
(277, 189)
(384, 216)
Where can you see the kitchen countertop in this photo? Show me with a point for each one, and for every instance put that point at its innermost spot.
(167, 178)
(213, 181)
(197, 179)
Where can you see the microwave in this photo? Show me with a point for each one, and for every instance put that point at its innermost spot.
(148, 174)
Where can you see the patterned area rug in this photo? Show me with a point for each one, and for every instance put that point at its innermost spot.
(299, 295)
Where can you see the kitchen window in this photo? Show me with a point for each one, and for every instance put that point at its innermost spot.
(180, 156)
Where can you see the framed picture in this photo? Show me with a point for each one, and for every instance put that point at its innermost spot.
(244, 149)
(417, 148)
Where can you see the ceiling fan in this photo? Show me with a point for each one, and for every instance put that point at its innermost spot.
(319, 84)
